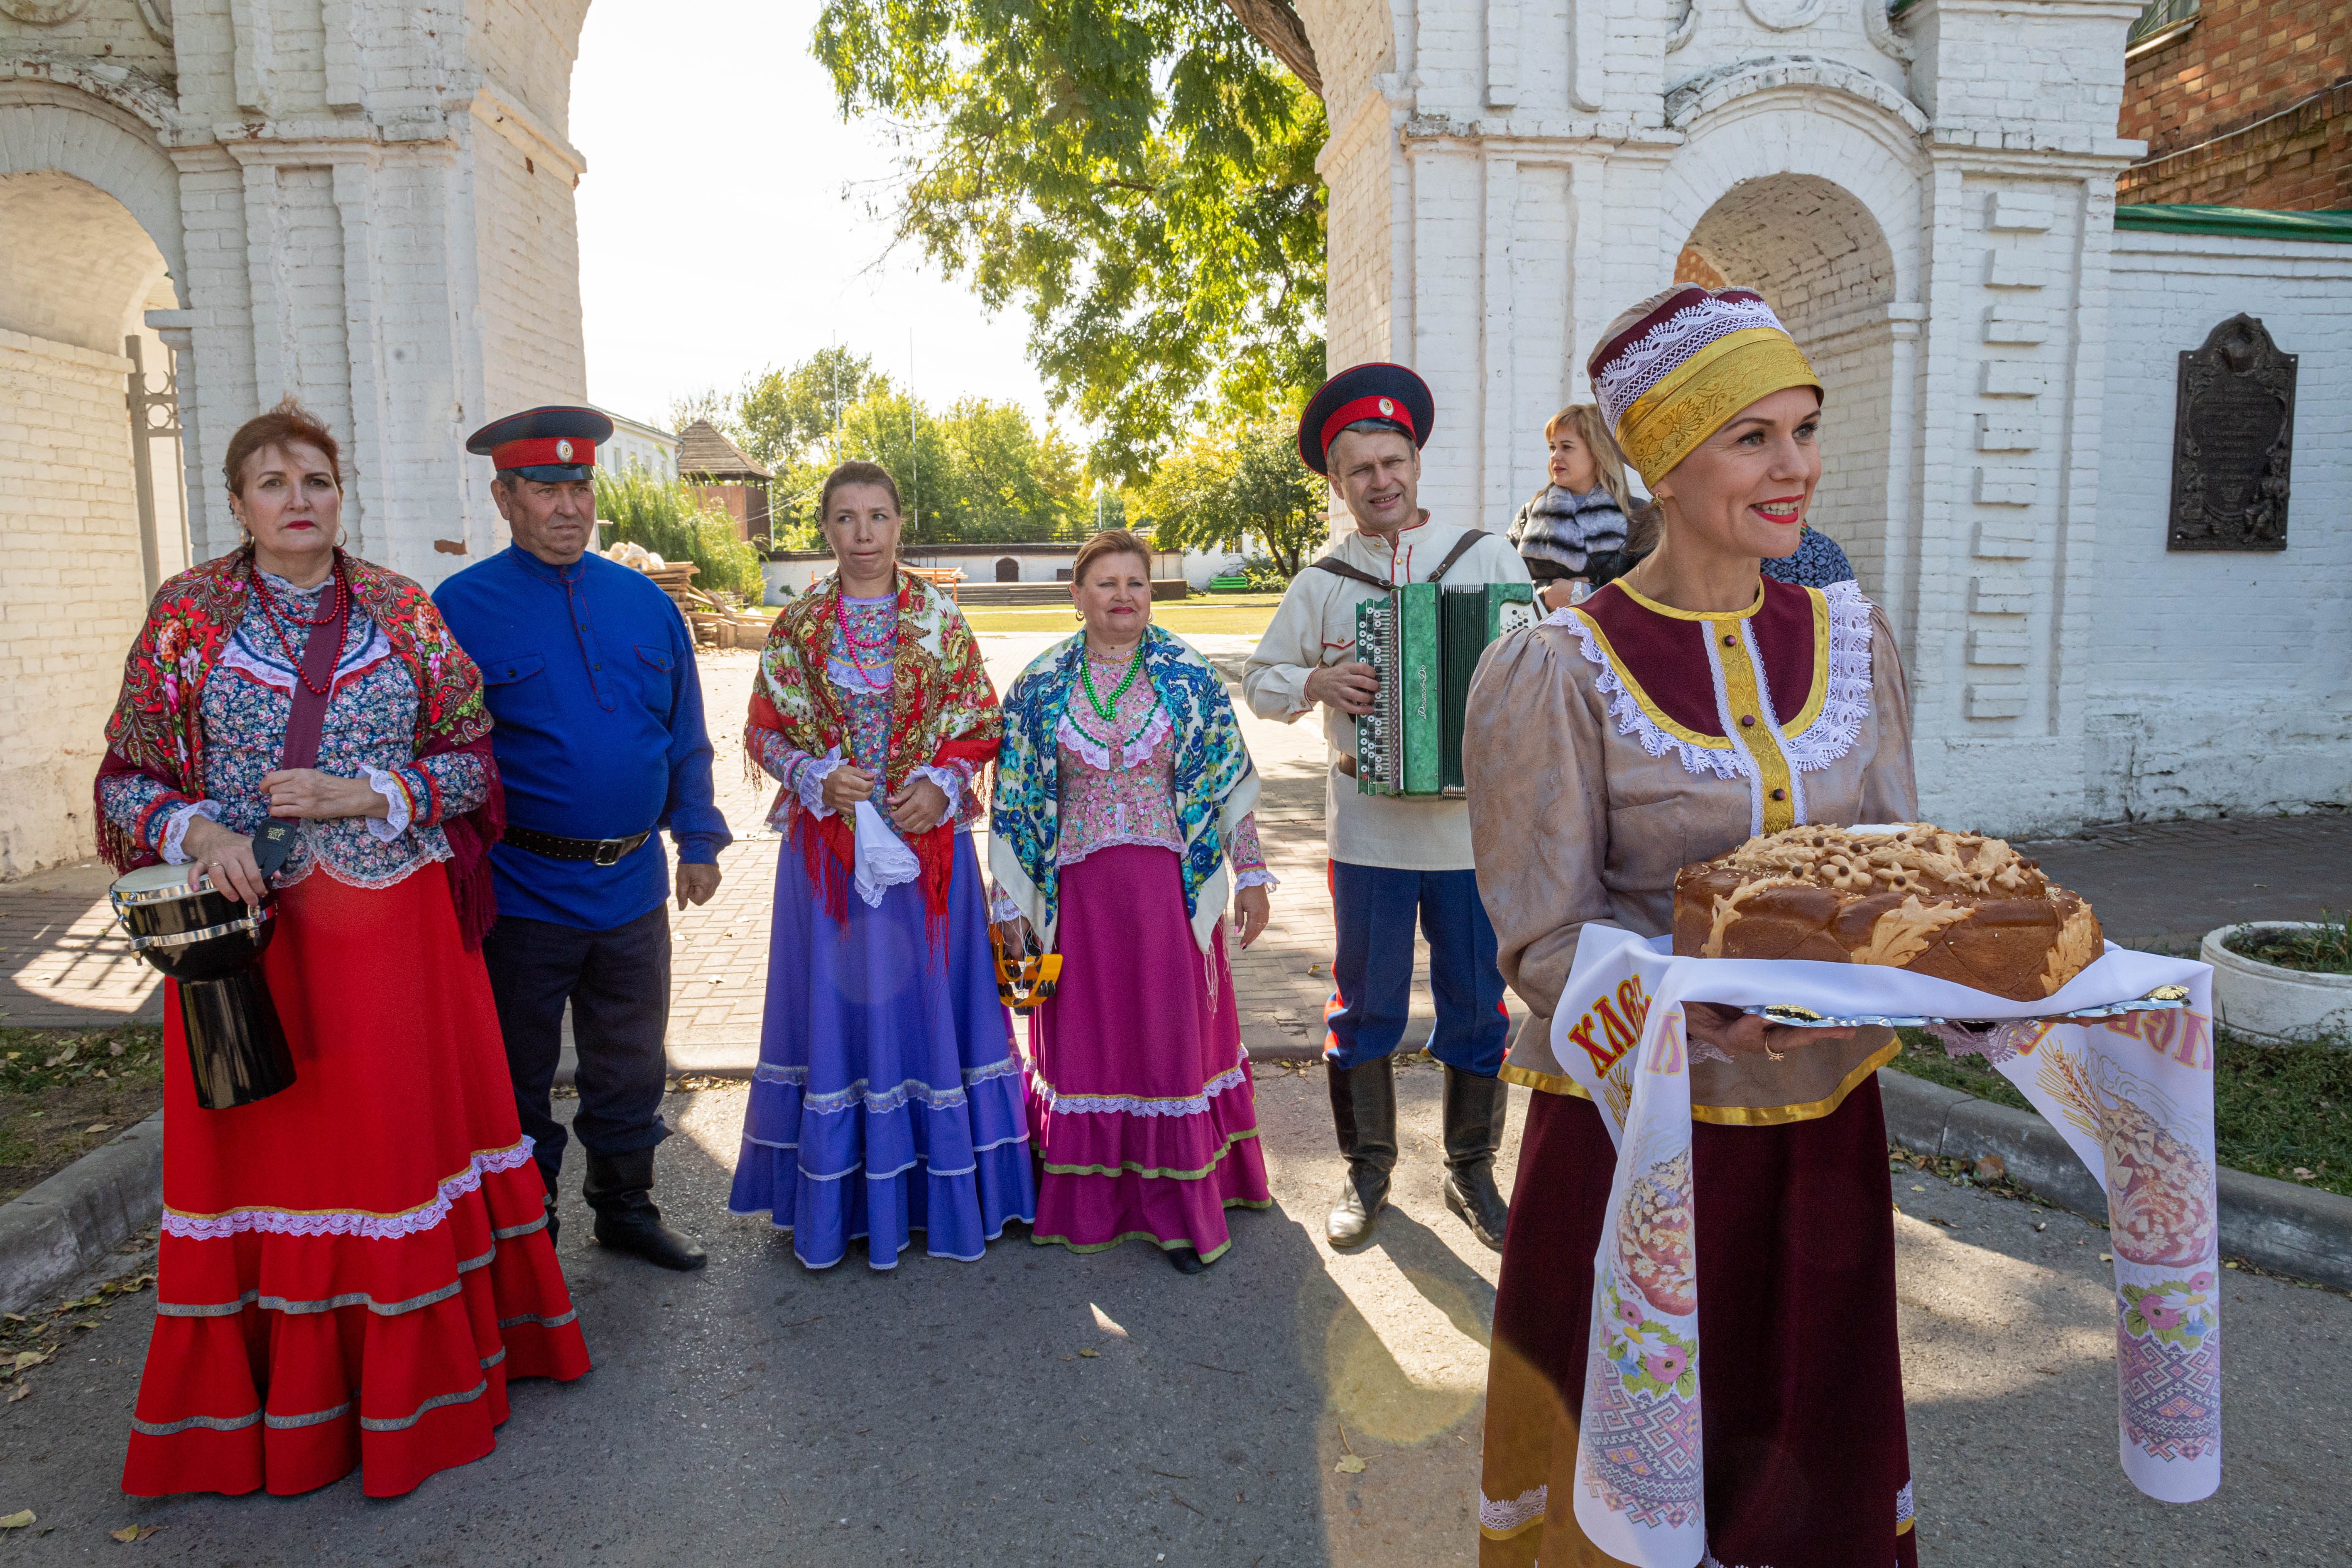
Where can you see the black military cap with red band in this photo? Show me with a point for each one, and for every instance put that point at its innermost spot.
(549, 444)
(1385, 394)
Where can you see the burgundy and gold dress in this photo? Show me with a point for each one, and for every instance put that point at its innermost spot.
(1605, 750)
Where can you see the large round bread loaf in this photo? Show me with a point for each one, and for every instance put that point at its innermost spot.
(1954, 905)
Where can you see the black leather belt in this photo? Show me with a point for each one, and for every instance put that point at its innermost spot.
(555, 847)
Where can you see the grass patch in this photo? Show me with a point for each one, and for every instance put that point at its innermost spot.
(2325, 949)
(2283, 1111)
(65, 1091)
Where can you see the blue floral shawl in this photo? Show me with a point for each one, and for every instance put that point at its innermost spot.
(1216, 785)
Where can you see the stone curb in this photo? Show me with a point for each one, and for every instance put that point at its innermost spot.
(70, 1222)
(2296, 1230)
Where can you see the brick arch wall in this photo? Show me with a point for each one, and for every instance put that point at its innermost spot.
(56, 129)
(1817, 205)
(77, 270)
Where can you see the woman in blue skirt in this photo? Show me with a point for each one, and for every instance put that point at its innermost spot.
(887, 1098)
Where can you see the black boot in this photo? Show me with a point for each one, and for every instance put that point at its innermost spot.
(1474, 1112)
(1363, 1110)
(620, 1189)
(547, 1179)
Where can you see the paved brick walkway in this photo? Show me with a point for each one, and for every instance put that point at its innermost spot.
(2164, 884)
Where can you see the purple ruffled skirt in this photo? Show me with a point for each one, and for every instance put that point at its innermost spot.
(1139, 1096)
(887, 1098)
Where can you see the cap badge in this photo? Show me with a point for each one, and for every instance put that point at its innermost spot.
(563, 450)
(1387, 406)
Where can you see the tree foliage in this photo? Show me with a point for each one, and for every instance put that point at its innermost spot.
(671, 519)
(1238, 488)
(1137, 175)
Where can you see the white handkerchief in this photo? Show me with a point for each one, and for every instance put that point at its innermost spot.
(883, 859)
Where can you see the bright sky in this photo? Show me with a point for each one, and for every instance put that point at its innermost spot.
(714, 241)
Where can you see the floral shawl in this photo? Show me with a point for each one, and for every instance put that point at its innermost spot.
(1216, 785)
(942, 710)
(157, 728)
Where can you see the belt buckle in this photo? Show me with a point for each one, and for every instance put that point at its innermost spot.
(608, 851)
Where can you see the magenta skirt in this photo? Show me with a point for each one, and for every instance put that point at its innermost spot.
(1139, 1098)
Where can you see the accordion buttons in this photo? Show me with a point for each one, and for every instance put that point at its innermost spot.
(1780, 794)
(1748, 721)
(1731, 642)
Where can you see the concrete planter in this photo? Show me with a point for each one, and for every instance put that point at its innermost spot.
(2265, 1002)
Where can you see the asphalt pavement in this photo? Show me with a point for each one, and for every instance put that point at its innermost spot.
(947, 1413)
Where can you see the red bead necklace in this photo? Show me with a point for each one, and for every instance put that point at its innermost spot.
(278, 616)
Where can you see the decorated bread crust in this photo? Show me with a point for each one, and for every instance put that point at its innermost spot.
(1952, 905)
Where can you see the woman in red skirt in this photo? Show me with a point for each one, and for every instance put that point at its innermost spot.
(352, 1267)
(1123, 795)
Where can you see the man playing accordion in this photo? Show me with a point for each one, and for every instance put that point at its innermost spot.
(1393, 858)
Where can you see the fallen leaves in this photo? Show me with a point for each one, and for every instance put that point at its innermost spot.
(25, 1359)
(1091, 1355)
(17, 1520)
(1349, 1466)
(97, 1127)
(1991, 1167)
(131, 1532)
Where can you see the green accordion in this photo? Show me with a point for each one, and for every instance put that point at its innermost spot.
(1423, 641)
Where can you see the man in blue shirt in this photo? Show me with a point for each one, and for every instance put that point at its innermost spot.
(589, 671)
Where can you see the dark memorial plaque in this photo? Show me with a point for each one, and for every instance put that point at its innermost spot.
(2233, 439)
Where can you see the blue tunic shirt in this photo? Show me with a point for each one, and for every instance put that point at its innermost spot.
(589, 670)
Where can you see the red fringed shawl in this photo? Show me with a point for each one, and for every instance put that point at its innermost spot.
(942, 710)
(158, 728)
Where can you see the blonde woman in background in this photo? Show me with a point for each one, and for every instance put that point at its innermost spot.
(1577, 525)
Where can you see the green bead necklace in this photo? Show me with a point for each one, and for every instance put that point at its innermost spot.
(1107, 711)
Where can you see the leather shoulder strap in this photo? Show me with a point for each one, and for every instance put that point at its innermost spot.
(1340, 568)
(1461, 548)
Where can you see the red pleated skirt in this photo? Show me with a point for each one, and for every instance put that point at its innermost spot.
(352, 1269)
(1807, 1463)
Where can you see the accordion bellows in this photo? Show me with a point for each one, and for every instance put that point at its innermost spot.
(1951, 905)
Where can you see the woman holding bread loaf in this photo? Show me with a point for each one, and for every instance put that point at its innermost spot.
(1682, 708)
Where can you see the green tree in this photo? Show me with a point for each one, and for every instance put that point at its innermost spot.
(781, 416)
(1232, 486)
(1139, 175)
(672, 519)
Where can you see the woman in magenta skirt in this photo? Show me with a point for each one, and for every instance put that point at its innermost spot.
(1123, 793)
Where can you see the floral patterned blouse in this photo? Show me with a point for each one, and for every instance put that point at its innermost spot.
(368, 732)
(859, 671)
(1118, 780)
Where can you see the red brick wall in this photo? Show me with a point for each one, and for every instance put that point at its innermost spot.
(2209, 105)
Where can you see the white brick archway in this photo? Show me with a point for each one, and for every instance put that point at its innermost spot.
(370, 210)
(76, 272)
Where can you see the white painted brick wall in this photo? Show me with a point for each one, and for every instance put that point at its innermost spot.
(2218, 681)
(70, 596)
(388, 234)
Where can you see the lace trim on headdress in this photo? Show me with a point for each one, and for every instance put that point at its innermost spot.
(350, 1222)
(1517, 1513)
(1726, 762)
(1132, 750)
(1642, 364)
(1136, 1105)
(1845, 702)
